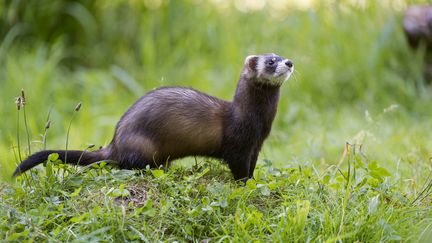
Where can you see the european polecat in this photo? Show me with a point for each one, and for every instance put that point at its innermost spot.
(417, 25)
(175, 122)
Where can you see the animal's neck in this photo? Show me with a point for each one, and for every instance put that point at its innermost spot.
(256, 99)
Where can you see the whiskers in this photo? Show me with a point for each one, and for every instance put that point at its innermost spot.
(294, 74)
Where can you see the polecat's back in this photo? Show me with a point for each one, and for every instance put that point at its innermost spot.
(174, 122)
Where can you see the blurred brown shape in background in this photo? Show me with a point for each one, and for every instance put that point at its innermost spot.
(417, 25)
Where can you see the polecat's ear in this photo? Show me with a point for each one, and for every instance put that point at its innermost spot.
(251, 62)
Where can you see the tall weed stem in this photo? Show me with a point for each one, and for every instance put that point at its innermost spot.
(19, 103)
(77, 108)
(23, 102)
(47, 126)
(17, 131)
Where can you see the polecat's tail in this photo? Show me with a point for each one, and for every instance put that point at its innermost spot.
(76, 157)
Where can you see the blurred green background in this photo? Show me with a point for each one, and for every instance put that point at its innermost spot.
(356, 79)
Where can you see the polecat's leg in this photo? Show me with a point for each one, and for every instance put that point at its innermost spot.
(253, 161)
(239, 164)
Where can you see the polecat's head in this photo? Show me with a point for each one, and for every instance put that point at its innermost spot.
(268, 68)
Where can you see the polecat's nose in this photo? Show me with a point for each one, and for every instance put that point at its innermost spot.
(289, 63)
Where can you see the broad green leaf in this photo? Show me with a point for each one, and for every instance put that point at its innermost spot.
(326, 179)
(76, 192)
(157, 173)
(251, 184)
(53, 157)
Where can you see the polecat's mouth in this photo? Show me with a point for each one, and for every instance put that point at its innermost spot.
(283, 73)
(287, 71)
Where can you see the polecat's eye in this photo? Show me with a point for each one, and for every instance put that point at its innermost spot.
(272, 61)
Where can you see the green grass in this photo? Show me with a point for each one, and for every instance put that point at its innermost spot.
(291, 203)
(356, 81)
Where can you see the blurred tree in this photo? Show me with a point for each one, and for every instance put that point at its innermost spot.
(79, 25)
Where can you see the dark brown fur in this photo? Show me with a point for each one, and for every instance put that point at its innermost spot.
(175, 122)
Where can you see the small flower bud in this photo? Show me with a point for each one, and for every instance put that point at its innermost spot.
(23, 98)
(78, 107)
(47, 125)
(18, 103)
